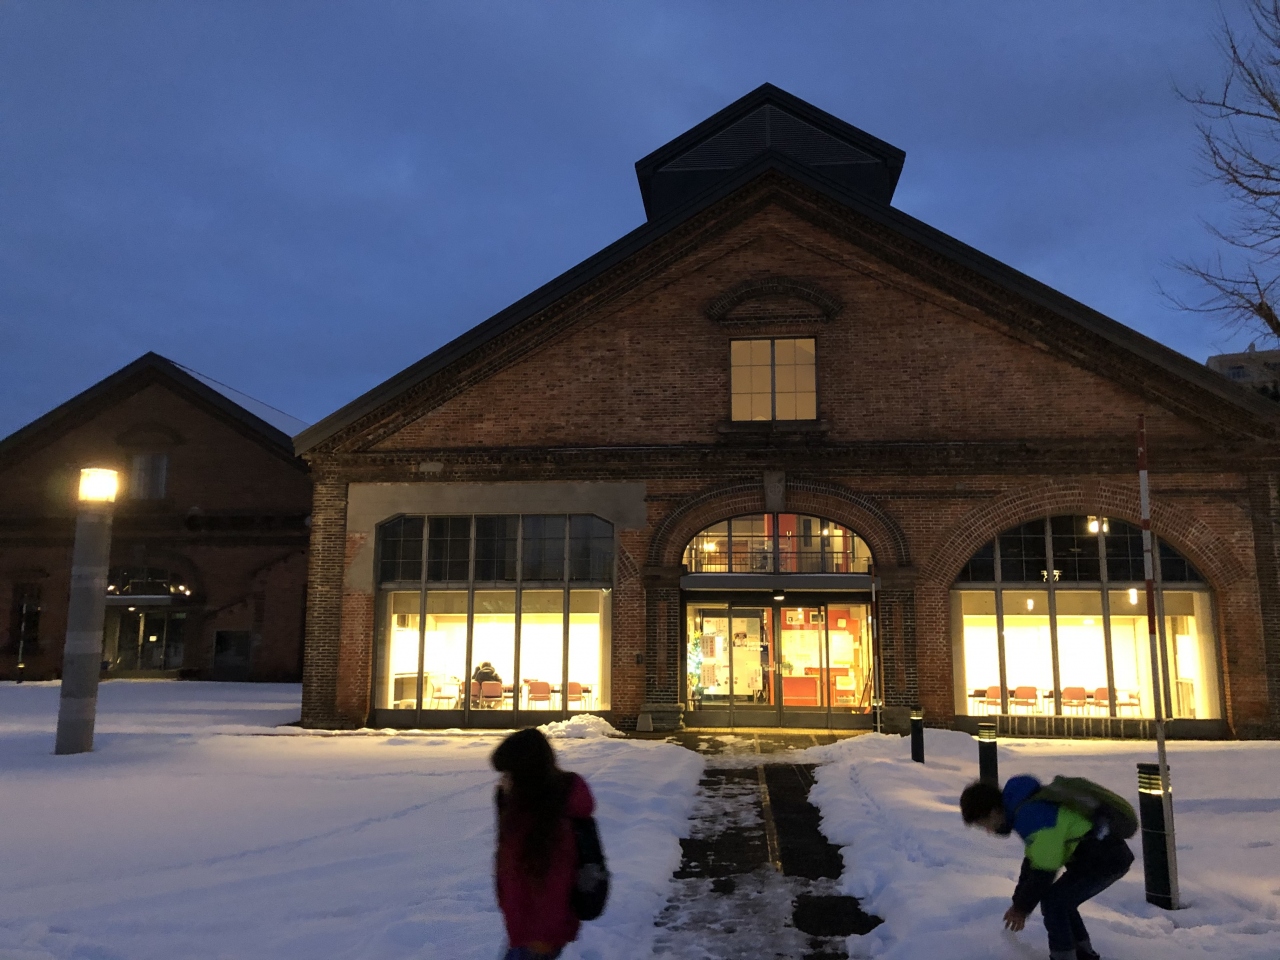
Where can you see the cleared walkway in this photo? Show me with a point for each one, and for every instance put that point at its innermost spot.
(757, 879)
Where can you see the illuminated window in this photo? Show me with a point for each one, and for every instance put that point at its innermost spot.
(1031, 634)
(773, 380)
(777, 543)
(516, 629)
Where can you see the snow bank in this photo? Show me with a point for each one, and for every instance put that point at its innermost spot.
(942, 888)
(168, 841)
(583, 726)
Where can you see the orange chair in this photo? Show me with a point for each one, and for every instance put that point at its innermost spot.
(539, 692)
(1074, 698)
(993, 699)
(490, 693)
(573, 694)
(1028, 697)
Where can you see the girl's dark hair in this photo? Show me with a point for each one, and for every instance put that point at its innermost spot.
(539, 792)
(980, 799)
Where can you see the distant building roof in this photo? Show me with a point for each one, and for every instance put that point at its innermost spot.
(151, 368)
(1253, 367)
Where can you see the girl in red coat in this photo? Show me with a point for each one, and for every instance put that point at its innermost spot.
(537, 855)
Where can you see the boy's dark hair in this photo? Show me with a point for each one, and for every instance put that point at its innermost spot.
(979, 800)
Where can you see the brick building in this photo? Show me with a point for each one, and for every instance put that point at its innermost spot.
(778, 454)
(208, 559)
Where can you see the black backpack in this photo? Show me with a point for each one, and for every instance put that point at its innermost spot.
(591, 881)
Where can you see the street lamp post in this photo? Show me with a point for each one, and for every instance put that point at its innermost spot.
(82, 653)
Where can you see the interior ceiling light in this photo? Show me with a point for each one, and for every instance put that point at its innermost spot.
(779, 595)
(1031, 604)
(1093, 524)
(1133, 596)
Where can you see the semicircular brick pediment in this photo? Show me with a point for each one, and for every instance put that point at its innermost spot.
(774, 299)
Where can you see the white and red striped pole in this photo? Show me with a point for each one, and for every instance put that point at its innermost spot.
(1159, 665)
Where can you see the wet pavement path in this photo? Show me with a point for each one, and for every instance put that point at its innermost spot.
(758, 879)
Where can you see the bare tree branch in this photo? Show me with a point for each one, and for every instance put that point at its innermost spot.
(1240, 146)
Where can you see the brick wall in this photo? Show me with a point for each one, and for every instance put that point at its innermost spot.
(231, 525)
(948, 412)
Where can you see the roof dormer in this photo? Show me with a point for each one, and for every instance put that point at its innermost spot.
(767, 120)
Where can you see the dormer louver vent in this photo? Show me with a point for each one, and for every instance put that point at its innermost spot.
(763, 129)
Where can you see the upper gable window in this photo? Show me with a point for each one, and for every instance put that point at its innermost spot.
(773, 379)
(148, 477)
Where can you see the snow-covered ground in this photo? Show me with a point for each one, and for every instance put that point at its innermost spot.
(942, 888)
(185, 835)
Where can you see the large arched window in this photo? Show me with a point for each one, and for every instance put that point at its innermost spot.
(777, 543)
(1050, 618)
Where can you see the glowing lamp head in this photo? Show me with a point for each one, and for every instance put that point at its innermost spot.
(1133, 596)
(1031, 604)
(98, 485)
(1093, 524)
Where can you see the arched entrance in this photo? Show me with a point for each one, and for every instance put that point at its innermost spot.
(779, 624)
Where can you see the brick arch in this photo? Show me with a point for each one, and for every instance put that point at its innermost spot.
(1181, 529)
(863, 515)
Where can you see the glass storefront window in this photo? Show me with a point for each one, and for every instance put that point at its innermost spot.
(509, 589)
(398, 679)
(803, 657)
(1131, 652)
(708, 656)
(848, 685)
(493, 644)
(800, 543)
(1095, 559)
(445, 649)
(1082, 651)
(1028, 651)
(541, 648)
(977, 657)
(590, 629)
(1193, 661)
(751, 647)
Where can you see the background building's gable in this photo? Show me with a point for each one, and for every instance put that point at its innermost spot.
(212, 464)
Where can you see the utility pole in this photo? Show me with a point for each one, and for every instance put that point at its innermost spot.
(1159, 669)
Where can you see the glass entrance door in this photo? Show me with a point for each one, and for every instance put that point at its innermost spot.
(751, 665)
(767, 665)
(146, 640)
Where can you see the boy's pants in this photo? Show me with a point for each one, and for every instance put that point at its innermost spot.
(1097, 864)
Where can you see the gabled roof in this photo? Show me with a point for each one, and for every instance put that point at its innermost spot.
(767, 118)
(1262, 412)
(128, 380)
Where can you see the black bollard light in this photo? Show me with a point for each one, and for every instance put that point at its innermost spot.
(917, 734)
(988, 766)
(1155, 846)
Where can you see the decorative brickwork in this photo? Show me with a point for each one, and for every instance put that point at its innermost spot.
(951, 407)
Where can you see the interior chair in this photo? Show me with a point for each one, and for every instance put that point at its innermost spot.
(539, 691)
(573, 694)
(993, 701)
(444, 696)
(490, 693)
(1028, 697)
(1074, 698)
(1130, 699)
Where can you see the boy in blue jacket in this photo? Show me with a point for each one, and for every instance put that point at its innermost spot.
(1090, 856)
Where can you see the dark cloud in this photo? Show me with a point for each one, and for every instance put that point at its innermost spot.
(300, 199)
